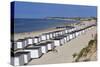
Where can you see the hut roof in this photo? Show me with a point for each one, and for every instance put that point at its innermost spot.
(34, 47)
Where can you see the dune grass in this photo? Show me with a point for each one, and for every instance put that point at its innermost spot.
(84, 52)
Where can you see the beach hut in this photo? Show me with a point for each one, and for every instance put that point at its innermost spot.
(43, 37)
(73, 35)
(25, 42)
(77, 33)
(27, 56)
(74, 29)
(70, 36)
(43, 46)
(65, 39)
(54, 34)
(14, 46)
(29, 40)
(83, 31)
(36, 39)
(35, 52)
(50, 45)
(17, 59)
(66, 31)
(51, 35)
(58, 41)
(47, 36)
(70, 30)
(19, 44)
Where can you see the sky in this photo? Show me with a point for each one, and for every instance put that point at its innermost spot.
(42, 10)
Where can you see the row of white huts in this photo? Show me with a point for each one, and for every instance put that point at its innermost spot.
(23, 50)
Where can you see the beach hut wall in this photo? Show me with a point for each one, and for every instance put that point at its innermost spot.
(48, 36)
(58, 41)
(20, 44)
(43, 37)
(44, 49)
(70, 36)
(26, 55)
(14, 46)
(70, 30)
(65, 39)
(36, 39)
(17, 60)
(62, 41)
(59, 33)
(77, 33)
(83, 31)
(51, 35)
(35, 52)
(25, 42)
(43, 46)
(66, 31)
(50, 45)
(54, 34)
(74, 29)
(63, 32)
(30, 40)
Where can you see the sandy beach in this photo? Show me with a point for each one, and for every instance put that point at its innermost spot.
(65, 52)
(34, 33)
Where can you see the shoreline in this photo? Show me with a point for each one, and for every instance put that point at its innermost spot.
(39, 32)
(34, 33)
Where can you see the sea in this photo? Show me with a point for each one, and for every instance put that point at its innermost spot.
(29, 25)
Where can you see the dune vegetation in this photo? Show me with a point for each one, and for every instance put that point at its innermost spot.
(86, 52)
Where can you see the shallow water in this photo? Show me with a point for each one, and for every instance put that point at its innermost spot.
(28, 25)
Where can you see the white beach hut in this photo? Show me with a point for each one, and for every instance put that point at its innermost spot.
(58, 41)
(43, 46)
(65, 37)
(17, 59)
(29, 40)
(35, 52)
(70, 36)
(51, 35)
(19, 44)
(66, 31)
(43, 37)
(83, 31)
(27, 56)
(50, 45)
(47, 36)
(77, 34)
(54, 34)
(73, 35)
(14, 46)
(36, 39)
(25, 42)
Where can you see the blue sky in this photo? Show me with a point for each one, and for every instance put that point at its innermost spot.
(42, 10)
